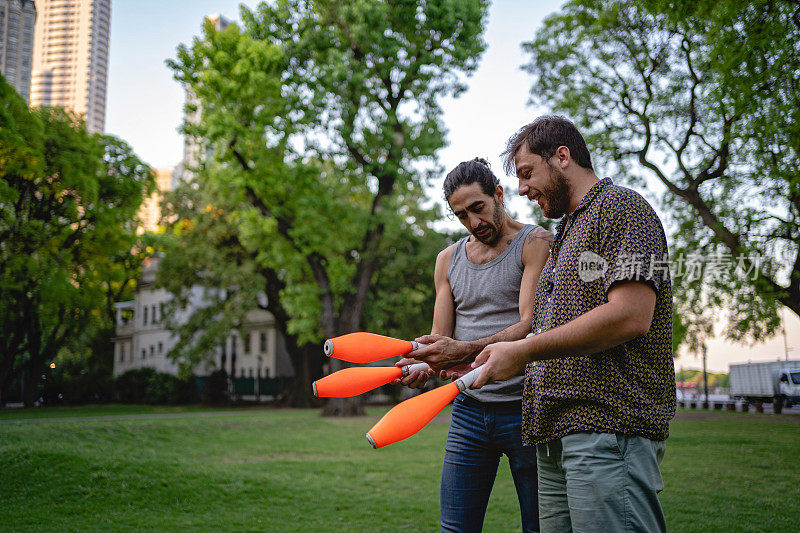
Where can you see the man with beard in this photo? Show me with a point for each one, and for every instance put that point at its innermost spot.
(484, 293)
(599, 378)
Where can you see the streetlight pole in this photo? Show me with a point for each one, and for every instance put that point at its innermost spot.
(705, 377)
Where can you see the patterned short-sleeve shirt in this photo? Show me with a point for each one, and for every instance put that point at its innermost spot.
(613, 235)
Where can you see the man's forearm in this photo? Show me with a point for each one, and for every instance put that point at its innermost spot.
(604, 327)
(444, 352)
(600, 329)
(514, 332)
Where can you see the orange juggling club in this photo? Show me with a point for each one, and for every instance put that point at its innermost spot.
(360, 379)
(408, 417)
(362, 347)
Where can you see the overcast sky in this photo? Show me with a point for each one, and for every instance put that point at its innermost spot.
(145, 106)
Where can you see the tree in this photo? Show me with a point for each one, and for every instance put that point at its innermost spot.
(209, 247)
(67, 208)
(321, 115)
(689, 93)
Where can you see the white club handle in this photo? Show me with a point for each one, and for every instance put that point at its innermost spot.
(413, 368)
(467, 379)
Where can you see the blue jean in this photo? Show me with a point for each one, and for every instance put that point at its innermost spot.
(479, 433)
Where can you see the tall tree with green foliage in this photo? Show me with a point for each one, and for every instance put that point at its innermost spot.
(210, 244)
(68, 201)
(704, 97)
(321, 116)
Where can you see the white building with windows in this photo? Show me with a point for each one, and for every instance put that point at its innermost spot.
(142, 339)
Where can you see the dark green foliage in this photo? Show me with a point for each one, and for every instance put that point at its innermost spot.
(214, 388)
(68, 201)
(704, 97)
(146, 385)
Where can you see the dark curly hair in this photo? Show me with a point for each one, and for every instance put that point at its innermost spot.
(467, 172)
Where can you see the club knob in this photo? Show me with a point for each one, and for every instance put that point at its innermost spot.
(328, 347)
(371, 441)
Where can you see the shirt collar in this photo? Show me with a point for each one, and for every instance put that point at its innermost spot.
(587, 199)
(590, 195)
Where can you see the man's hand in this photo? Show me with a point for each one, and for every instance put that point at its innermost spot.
(501, 361)
(443, 352)
(455, 372)
(416, 379)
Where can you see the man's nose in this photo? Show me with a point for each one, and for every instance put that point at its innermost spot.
(523, 188)
(474, 220)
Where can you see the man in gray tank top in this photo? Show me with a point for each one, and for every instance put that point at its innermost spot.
(484, 284)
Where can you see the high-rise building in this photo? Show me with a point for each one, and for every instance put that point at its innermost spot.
(150, 211)
(195, 153)
(17, 19)
(70, 61)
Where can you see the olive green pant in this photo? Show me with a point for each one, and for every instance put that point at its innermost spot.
(600, 482)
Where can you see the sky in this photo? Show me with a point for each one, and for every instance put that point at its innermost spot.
(145, 107)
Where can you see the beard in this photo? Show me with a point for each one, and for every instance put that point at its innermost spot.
(554, 200)
(490, 232)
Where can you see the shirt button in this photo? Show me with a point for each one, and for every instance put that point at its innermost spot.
(538, 331)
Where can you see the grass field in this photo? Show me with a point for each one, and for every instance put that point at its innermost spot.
(291, 470)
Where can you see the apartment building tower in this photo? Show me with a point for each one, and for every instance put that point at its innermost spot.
(17, 22)
(195, 152)
(70, 61)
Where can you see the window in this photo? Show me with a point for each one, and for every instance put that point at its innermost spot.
(262, 342)
(795, 377)
(121, 352)
(160, 347)
(246, 342)
(144, 353)
(251, 371)
(144, 316)
(152, 350)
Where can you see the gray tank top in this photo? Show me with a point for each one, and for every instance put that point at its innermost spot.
(487, 301)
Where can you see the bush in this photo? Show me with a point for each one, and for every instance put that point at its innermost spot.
(214, 387)
(146, 385)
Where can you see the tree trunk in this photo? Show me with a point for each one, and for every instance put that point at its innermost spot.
(343, 406)
(5, 389)
(307, 367)
(6, 376)
(31, 392)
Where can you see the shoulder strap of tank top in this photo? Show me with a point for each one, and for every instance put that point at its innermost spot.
(458, 253)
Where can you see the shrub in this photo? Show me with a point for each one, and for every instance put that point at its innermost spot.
(146, 385)
(214, 387)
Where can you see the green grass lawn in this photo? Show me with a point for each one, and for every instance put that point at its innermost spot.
(287, 470)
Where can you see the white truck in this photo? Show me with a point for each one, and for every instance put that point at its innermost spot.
(775, 382)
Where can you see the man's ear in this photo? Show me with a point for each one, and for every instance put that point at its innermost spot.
(564, 157)
(498, 193)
